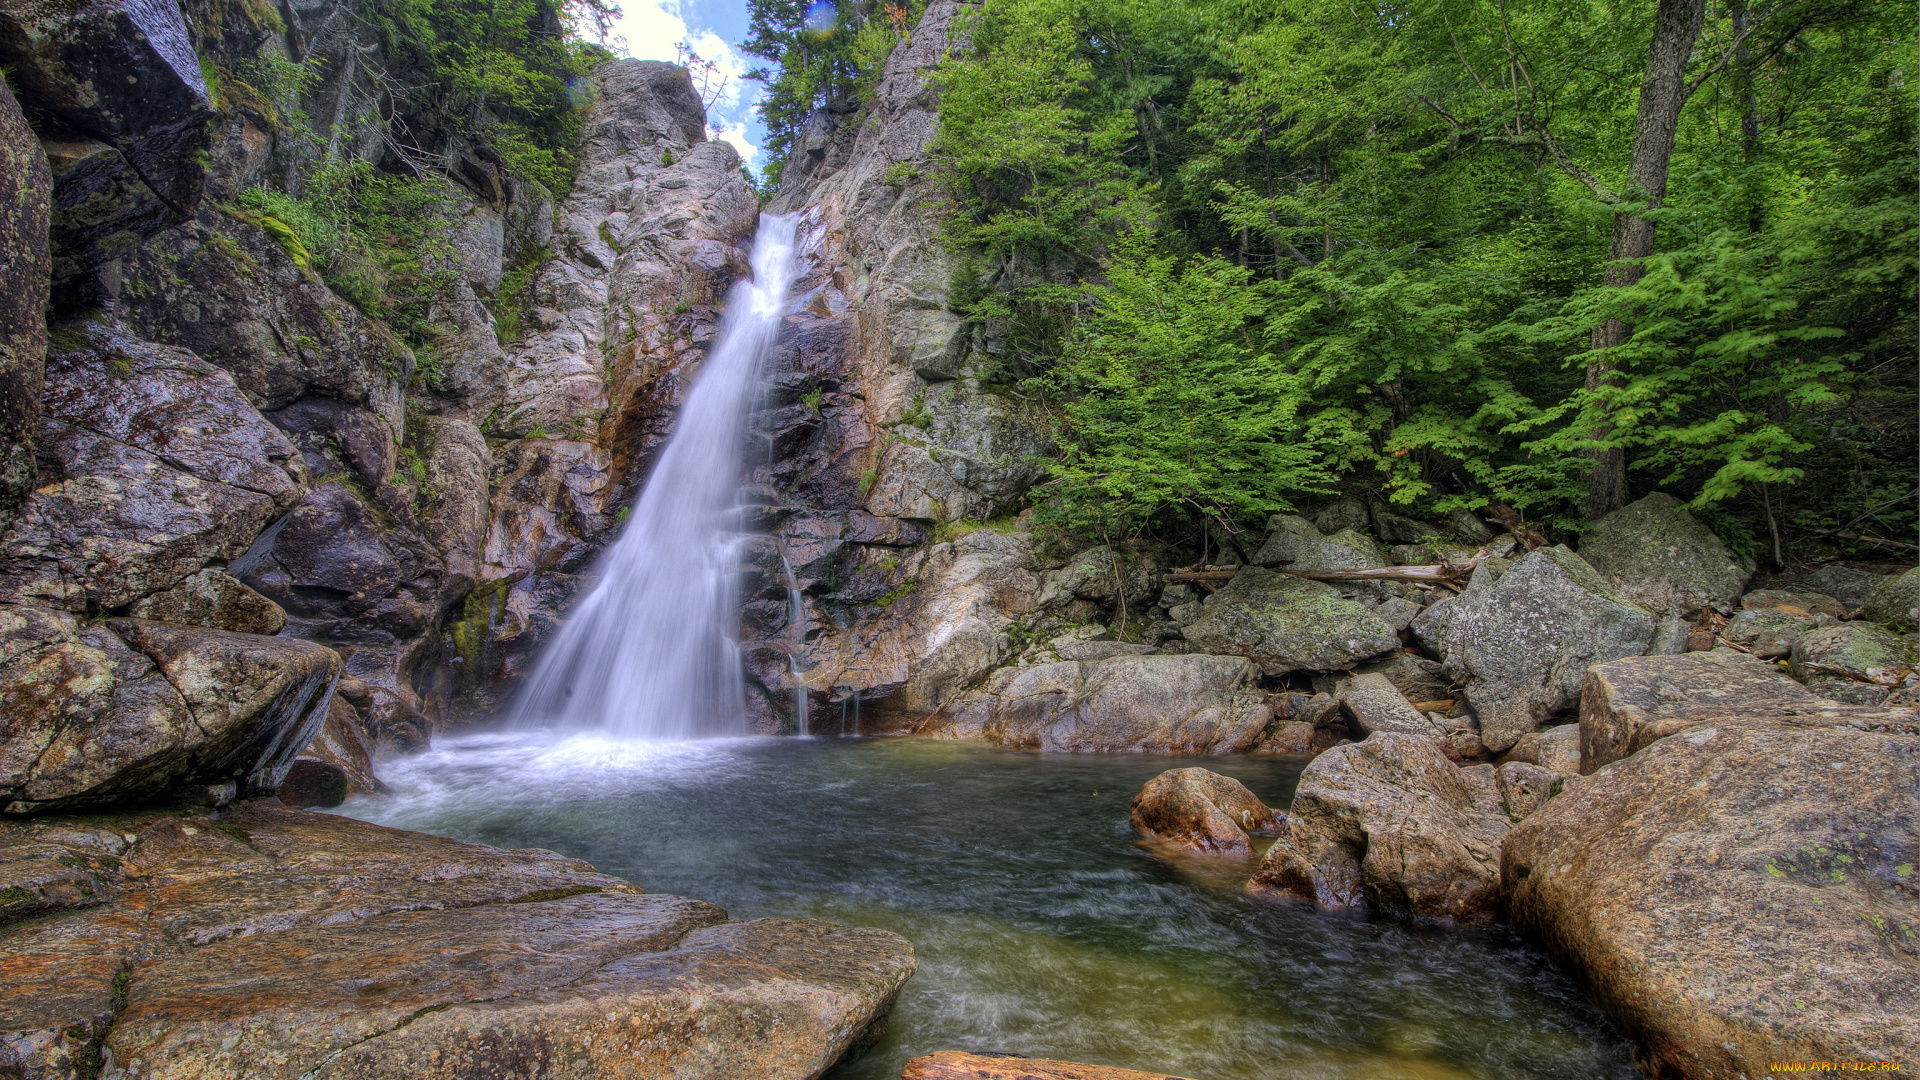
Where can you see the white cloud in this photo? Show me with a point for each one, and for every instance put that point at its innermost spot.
(736, 133)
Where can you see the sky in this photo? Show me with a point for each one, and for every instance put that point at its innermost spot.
(650, 29)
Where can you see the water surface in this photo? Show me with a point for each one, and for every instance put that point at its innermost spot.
(1042, 926)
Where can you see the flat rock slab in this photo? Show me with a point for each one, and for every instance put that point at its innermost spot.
(267, 942)
(1737, 895)
(955, 1065)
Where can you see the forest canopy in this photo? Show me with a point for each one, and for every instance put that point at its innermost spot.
(1449, 251)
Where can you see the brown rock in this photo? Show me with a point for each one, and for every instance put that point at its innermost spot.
(956, 1065)
(1793, 603)
(1203, 810)
(1630, 703)
(1737, 895)
(1391, 822)
(1184, 704)
(268, 943)
(336, 765)
(1288, 737)
(213, 598)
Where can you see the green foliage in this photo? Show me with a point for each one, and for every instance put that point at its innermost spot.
(510, 299)
(377, 239)
(1246, 250)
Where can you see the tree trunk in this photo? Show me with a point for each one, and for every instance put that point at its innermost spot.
(1662, 94)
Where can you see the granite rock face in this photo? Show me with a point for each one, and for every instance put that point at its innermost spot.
(164, 466)
(1737, 894)
(1285, 623)
(216, 599)
(1627, 704)
(1201, 810)
(26, 188)
(1522, 643)
(1389, 822)
(131, 709)
(1657, 540)
(277, 943)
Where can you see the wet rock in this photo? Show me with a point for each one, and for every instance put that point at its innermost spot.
(1895, 602)
(1345, 513)
(335, 766)
(1390, 822)
(164, 465)
(1202, 810)
(1288, 737)
(1522, 644)
(1656, 539)
(957, 1065)
(25, 266)
(1736, 895)
(1284, 623)
(125, 74)
(213, 598)
(1857, 663)
(1372, 703)
(1845, 584)
(1188, 704)
(134, 709)
(260, 927)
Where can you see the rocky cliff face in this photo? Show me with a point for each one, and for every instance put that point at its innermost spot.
(879, 426)
(213, 435)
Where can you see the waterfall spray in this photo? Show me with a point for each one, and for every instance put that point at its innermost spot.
(650, 652)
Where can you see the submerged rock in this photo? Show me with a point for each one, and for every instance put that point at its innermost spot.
(1202, 810)
(1391, 822)
(958, 1065)
(1657, 540)
(1737, 895)
(273, 943)
(1285, 623)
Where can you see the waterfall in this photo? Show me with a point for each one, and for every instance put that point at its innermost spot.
(649, 653)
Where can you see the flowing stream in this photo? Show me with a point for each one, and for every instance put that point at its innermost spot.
(1042, 926)
(649, 653)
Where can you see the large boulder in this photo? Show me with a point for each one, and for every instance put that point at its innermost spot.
(1845, 584)
(1285, 623)
(1895, 602)
(25, 191)
(164, 465)
(264, 943)
(1628, 703)
(1856, 662)
(959, 1065)
(1202, 810)
(126, 75)
(1187, 704)
(1657, 540)
(1373, 703)
(1391, 822)
(1737, 895)
(132, 709)
(1522, 643)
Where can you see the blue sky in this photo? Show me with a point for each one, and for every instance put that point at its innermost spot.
(649, 30)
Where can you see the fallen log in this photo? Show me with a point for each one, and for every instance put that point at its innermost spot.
(1444, 573)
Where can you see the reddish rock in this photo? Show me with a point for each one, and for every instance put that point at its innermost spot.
(1202, 810)
(956, 1065)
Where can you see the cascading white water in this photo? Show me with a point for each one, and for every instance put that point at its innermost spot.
(649, 653)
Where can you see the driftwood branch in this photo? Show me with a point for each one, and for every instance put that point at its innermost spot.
(1445, 573)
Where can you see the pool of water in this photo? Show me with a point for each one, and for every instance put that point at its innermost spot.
(1042, 926)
